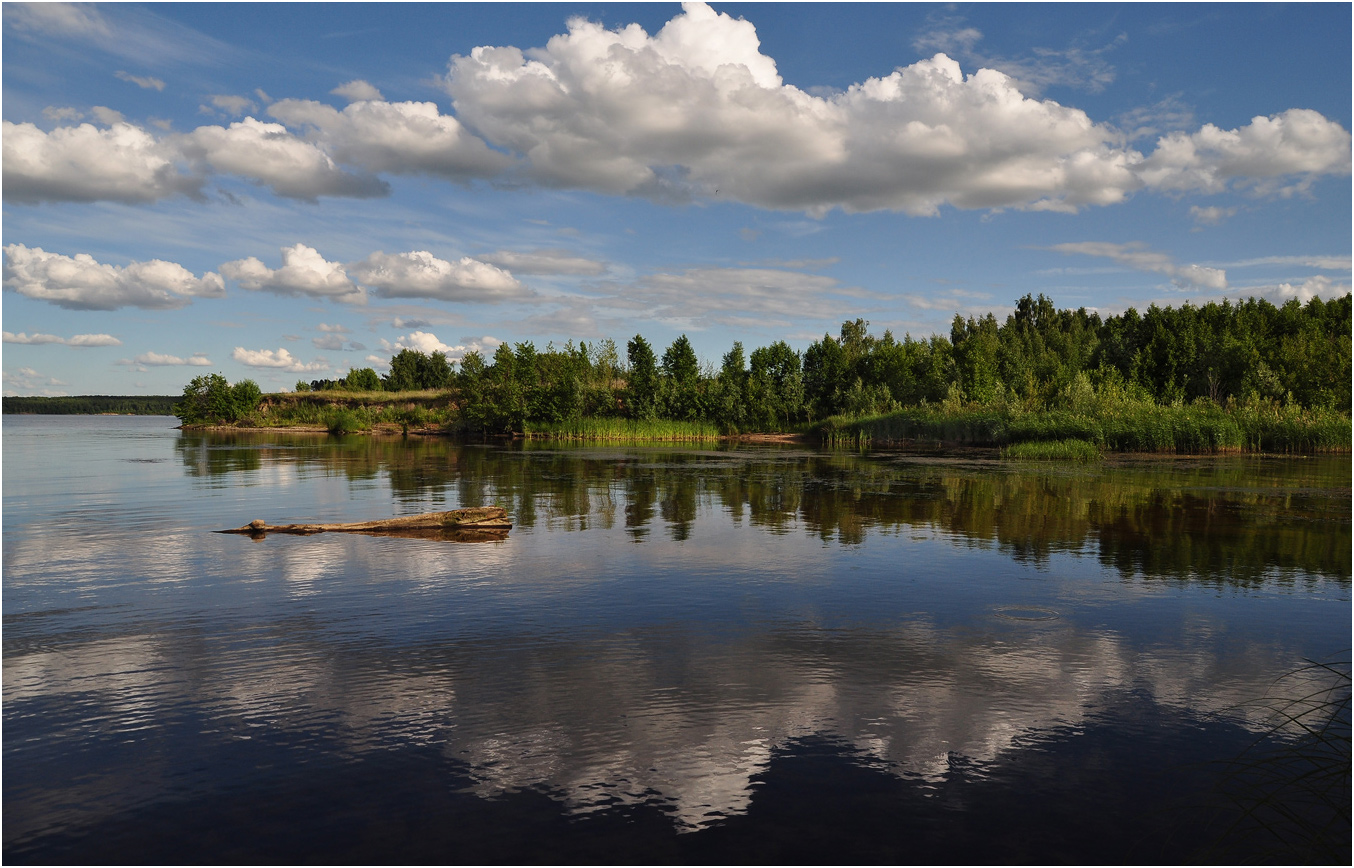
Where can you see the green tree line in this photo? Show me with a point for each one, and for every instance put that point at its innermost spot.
(93, 405)
(1040, 359)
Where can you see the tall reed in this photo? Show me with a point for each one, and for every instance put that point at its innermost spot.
(610, 429)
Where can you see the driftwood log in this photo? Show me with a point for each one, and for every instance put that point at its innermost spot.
(473, 523)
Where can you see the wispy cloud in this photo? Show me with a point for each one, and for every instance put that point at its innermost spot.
(95, 340)
(1137, 256)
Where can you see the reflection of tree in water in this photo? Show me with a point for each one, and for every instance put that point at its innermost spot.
(1227, 521)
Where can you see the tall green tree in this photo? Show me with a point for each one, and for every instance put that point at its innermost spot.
(681, 375)
(642, 388)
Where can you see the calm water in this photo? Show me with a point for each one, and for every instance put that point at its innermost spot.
(679, 654)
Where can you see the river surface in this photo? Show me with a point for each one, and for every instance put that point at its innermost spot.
(679, 654)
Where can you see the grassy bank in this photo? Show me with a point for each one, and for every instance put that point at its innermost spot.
(1072, 432)
(340, 412)
(1198, 428)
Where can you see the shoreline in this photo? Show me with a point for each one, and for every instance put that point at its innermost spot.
(919, 448)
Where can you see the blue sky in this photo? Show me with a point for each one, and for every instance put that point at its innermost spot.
(286, 192)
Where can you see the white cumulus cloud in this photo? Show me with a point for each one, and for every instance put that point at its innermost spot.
(1312, 287)
(427, 342)
(82, 283)
(1137, 256)
(123, 163)
(357, 90)
(400, 138)
(280, 359)
(99, 340)
(304, 272)
(613, 111)
(419, 274)
(269, 154)
(1296, 142)
(698, 107)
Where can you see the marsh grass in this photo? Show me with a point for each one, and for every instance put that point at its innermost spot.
(344, 421)
(658, 430)
(1292, 784)
(1052, 450)
(1123, 426)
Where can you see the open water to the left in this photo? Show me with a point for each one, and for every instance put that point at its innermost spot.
(679, 654)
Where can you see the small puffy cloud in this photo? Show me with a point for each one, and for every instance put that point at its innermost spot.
(154, 359)
(123, 163)
(402, 323)
(228, 104)
(29, 382)
(1317, 285)
(279, 359)
(427, 342)
(1210, 216)
(106, 116)
(423, 342)
(357, 91)
(328, 342)
(333, 329)
(145, 82)
(304, 272)
(1296, 142)
(1135, 255)
(99, 340)
(269, 154)
(62, 113)
(544, 262)
(378, 362)
(400, 138)
(81, 283)
(419, 274)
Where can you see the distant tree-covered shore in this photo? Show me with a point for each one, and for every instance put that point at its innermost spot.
(92, 405)
(1218, 377)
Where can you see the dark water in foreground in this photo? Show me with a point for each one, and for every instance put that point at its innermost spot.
(679, 654)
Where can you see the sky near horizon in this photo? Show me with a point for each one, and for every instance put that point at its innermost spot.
(287, 191)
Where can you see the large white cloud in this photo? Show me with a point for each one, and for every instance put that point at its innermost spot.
(697, 107)
(400, 137)
(616, 111)
(99, 340)
(419, 274)
(82, 283)
(269, 154)
(1136, 255)
(84, 163)
(304, 272)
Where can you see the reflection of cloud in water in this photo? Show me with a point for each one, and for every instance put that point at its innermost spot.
(618, 719)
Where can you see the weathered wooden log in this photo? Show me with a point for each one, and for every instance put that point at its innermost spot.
(474, 522)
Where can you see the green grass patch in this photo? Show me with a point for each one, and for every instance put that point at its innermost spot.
(345, 421)
(1052, 450)
(605, 429)
(1127, 426)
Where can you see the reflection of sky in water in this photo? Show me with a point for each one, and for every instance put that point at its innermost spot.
(653, 632)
